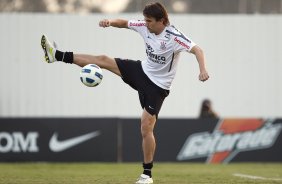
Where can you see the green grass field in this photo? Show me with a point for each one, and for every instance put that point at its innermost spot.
(126, 173)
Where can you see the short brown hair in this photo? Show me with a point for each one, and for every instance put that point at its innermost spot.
(157, 11)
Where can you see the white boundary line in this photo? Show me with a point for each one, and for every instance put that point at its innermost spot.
(255, 177)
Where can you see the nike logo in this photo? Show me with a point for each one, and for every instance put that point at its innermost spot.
(58, 146)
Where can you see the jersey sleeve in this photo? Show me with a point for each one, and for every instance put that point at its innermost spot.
(183, 43)
(137, 25)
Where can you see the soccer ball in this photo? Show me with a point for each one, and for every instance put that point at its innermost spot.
(91, 75)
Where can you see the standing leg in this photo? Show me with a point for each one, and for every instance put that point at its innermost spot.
(148, 140)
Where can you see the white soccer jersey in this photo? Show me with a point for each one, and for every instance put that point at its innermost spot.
(162, 52)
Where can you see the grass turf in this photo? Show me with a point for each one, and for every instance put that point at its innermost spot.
(126, 173)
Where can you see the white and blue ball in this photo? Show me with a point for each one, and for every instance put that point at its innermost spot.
(91, 75)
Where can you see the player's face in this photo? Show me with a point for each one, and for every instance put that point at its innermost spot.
(153, 25)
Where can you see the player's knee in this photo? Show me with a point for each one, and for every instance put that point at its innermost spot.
(145, 132)
(147, 124)
(147, 128)
(106, 62)
(103, 58)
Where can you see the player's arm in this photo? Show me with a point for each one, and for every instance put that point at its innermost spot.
(119, 23)
(198, 52)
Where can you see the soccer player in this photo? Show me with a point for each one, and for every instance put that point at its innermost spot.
(151, 77)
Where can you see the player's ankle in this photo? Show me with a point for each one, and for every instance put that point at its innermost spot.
(66, 57)
(148, 169)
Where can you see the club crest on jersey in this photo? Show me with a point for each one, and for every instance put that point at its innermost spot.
(163, 47)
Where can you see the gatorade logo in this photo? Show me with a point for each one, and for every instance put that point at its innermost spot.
(230, 137)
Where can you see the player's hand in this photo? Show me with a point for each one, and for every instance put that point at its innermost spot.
(203, 76)
(104, 23)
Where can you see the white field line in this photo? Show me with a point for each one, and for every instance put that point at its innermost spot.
(256, 177)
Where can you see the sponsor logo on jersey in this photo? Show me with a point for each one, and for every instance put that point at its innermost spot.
(149, 48)
(181, 43)
(154, 57)
(229, 138)
(139, 24)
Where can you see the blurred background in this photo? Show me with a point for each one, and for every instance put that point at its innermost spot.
(241, 40)
(119, 6)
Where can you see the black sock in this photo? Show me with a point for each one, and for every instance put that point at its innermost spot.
(147, 169)
(66, 57)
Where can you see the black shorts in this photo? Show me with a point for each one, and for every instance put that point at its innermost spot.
(151, 96)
